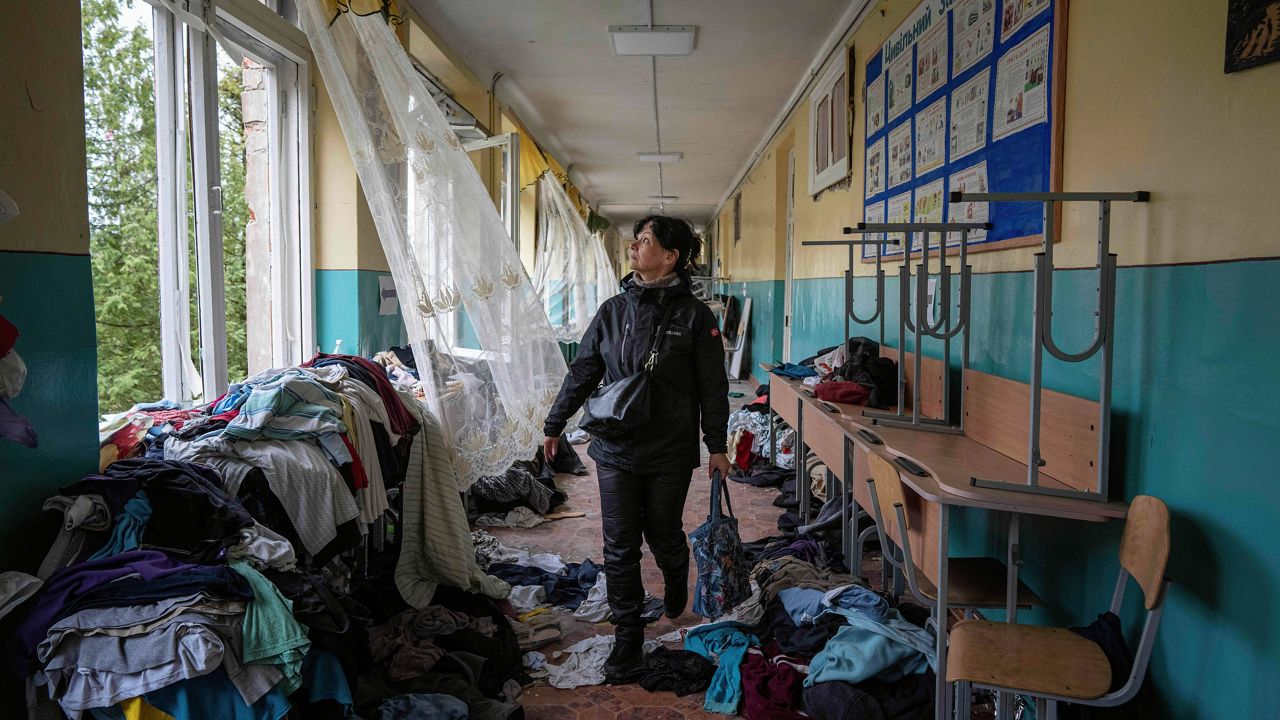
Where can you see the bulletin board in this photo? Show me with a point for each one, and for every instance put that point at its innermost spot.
(965, 95)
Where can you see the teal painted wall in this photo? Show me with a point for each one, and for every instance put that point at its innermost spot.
(347, 309)
(1197, 373)
(50, 300)
(764, 334)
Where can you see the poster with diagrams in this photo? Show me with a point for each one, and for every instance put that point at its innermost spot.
(899, 92)
(963, 95)
(898, 211)
(927, 208)
(900, 155)
(1017, 13)
(973, 24)
(931, 61)
(875, 106)
(971, 179)
(1022, 97)
(874, 213)
(969, 116)
(931, 136)
(875, 168)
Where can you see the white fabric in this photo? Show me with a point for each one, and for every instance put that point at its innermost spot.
(596, 607)
(827, 364)
(264, 547)
(527, 597)
(307, 485)
(572, 273)
(584, 662)
(454, 265)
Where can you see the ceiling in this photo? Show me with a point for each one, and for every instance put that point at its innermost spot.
(594, 110)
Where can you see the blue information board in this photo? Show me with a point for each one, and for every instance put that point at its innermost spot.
(961, 97)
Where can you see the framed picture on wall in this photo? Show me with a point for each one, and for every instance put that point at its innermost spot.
(1253, 33)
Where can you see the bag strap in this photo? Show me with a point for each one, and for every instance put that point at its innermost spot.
(657, 337)
(719, 489)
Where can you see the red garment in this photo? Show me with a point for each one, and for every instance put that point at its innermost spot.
(227, 416)
(8, 336)
(849, 393)
(742, 453)
(402, 422)
(359, 478)
(770, 691)
(173, 417)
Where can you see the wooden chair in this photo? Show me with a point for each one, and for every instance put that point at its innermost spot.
(1056, 665)
(973, 582)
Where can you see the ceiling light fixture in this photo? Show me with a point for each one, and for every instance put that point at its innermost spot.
(663, 198)
(660, 157)
(652, 39)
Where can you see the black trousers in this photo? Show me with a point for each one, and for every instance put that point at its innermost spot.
(635, 506)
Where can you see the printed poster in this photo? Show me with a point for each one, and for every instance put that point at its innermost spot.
(900, 154)
(928, 208)
(873, 213)
(931, 61)
(973, 24)
(898, 210)
(1017, 13)
(899, 89)
(969, 116)
(1022, 97)
(875, 168)
(931, 137)
(972, 179)
(875, 106)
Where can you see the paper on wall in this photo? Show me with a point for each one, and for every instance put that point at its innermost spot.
(1021, 90)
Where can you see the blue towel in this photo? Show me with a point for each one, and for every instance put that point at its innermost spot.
(130, 523)
(729, 642)
(865, 649)
(793, 371)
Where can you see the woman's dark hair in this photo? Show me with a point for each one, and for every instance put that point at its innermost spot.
(672, 234)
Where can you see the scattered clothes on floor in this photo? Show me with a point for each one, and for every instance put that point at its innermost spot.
(406, 642)
(583, 662)
(910, 698)
(596, 607)
(728, 642)
(528, 597)
(777, 574)
(764, 476)
(422, 706)
(682, 672)
(567, 590)
(864, 648)
(521, 517)
(770, 690)
(537, 629)
(535, 663)
(652, 608)
(517, 487)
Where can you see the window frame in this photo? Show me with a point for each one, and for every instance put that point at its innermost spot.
(255, 30)
(834, 120)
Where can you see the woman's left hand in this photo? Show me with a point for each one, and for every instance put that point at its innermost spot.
(719, 461)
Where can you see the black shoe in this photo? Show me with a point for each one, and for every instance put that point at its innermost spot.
(676, 597)
(628, 651)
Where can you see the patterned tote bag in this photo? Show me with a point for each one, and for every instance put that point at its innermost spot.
(724, 579)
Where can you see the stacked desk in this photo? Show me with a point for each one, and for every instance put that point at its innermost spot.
(950, 461)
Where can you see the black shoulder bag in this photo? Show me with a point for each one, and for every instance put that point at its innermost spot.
(621, 407)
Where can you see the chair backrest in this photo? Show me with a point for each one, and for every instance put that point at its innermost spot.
(1144, 547)
(888, 493)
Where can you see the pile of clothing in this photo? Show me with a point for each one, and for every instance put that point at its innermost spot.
(813, 641)
(299, 545)
(852, 373)
(750, 439)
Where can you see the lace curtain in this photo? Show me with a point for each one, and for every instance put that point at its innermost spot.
(489, 363)
(572, 273)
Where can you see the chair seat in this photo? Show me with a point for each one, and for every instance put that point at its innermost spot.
(977, 582)
(1030, 658)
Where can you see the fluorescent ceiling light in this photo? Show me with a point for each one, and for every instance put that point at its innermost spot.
(656, 40)
(660, 157)
(663, 198)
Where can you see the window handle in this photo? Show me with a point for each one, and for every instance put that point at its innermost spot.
(215, 199)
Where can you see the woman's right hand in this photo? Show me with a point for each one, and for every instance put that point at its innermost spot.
(549, 445)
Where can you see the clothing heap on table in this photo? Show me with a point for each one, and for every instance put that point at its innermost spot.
(852, 373)
(298, 546)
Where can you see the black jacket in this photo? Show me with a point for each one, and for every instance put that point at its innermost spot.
(689, 378)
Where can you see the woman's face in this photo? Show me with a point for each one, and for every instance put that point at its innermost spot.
(648, 257)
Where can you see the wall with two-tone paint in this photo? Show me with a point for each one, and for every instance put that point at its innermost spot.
(1197, 359)
(46, 285)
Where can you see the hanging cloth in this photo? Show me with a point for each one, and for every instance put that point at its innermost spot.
(472, 316)
(572, 274)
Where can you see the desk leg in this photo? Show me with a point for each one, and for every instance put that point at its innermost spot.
(1004, 704)
(799, 454)
(942, 698)
(773, 433)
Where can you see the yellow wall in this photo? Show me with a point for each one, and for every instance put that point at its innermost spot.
(42, 153)
(1147, 108)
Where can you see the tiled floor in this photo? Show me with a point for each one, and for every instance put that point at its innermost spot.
(578, 538)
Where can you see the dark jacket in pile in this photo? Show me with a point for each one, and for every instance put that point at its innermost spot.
(689, 383)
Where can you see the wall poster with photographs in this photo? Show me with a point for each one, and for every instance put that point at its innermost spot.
(966, 95)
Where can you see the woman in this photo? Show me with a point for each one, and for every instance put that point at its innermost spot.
(644, 477)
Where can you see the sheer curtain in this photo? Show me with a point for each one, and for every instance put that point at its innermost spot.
(572, 273)
(489, 362)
